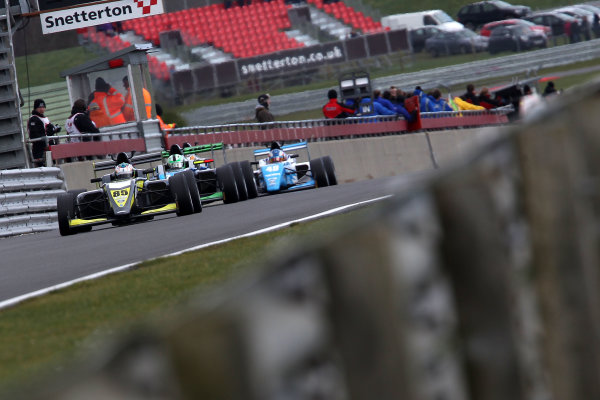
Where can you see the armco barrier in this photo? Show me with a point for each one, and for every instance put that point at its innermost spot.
(28, 200)
(478, 283)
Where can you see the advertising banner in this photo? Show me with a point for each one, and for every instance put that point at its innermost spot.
(104, 13)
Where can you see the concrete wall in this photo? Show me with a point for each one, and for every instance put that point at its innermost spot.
(355, 159)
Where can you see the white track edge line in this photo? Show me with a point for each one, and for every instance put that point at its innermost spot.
(41, 292)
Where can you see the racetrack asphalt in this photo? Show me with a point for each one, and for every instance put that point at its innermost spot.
(37, 261)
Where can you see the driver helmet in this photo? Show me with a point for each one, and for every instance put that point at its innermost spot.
(176, 161)
(276, 156)
(124, 171)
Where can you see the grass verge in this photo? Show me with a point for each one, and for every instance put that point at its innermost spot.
(43, 334)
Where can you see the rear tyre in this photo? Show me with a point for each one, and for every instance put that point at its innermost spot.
(239, 180)
(226, 181)
(249, 179)
(329, 170)
(181, 193)
(194, 191)
(318, 172)
(66, 211)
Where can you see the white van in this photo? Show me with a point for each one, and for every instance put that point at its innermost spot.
(421, 18)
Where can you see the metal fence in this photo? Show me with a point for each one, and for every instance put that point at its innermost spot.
(28, 200)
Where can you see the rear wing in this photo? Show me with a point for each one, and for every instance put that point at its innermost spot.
(204, 148)
(286, 148)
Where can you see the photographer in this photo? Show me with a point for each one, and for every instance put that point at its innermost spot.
(39, 126)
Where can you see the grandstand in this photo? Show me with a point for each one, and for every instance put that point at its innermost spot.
(234, 33)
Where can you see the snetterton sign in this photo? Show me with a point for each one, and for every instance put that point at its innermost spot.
(98, 14)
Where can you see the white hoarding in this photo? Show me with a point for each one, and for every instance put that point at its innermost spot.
(82, 17)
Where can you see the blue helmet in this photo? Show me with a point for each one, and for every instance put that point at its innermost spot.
(276, 155)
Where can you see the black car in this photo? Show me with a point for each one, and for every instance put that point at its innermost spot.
(555, 20)
(482, 12)
(455, 42)
(515, 38)
(418, 36)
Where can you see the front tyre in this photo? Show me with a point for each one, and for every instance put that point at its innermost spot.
(65, 210)
(181, 194)
(318, 172)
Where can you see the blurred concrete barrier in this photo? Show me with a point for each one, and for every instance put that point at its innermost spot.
(478, 282)
(28, 200)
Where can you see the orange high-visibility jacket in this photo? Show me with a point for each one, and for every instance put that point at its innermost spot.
(128, 107)
(166, 128)
(105, 108)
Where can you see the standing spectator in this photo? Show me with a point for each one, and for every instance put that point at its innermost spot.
(470, 96)
(333, 109)
(549, 89)
(127, 109)
(39, 126)
(166, 128)
(79, 122)
(596, 25)
(585, 27)
(486, 101)
(262, 112)
(106, 105)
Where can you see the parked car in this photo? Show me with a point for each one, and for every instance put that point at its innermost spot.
(417, 37)
(577, 12)
(482, 12)
(553, 19)
(486, 30)
(515, 38)
(460, 42)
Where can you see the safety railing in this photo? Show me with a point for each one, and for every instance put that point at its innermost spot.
(28, 200)
(245, 134)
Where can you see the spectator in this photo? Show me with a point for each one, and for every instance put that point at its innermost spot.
(262, 112)
(369, 108)
(486, 101)
(470, 96)
(227, 4)
(596, 25)
(424, 101)
(465, 105)
(383, 101)
(165, 128)
(79, 122)
(106, 105)
(585, 27)
(437, 102)
(128, 111)
(400, 109)
(549, 89)
(333, 109)
(39, 126)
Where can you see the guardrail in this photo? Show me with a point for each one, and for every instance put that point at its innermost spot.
(28, 200)
(251, 133)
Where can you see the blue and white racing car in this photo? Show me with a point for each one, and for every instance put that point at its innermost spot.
(276, 171)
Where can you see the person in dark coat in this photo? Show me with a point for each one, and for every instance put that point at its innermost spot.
(79, 122)
(470, 95)
(262, 112)
(39, 126)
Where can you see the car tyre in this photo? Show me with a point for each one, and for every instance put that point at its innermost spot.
(194, 191)
(330, 170)
(239, 180)
(181, 193)
(79, 229)
(318, 172)
(66, 211)
(248, 174)
(226, 181)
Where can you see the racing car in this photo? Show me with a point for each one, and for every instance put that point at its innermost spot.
(276, 174)
(231, 182)
(125, 196)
